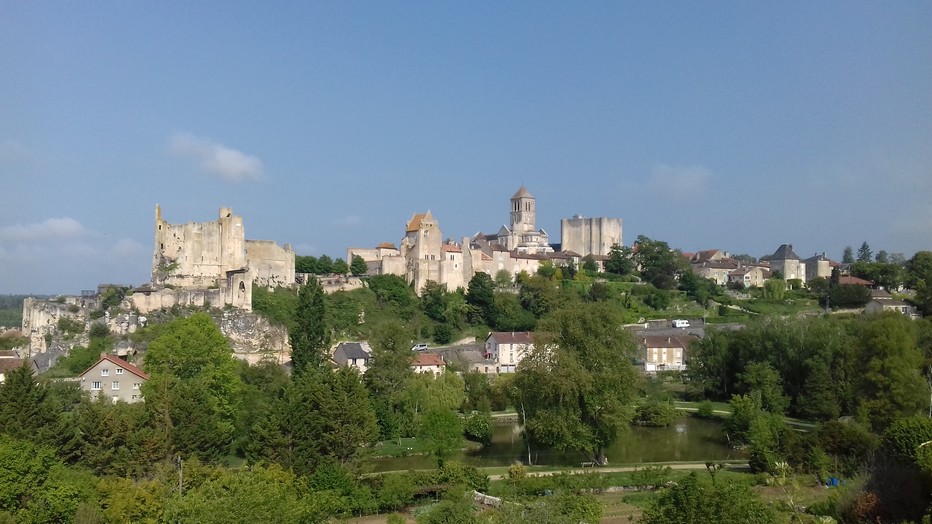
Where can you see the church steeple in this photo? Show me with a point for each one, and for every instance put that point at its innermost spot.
(522, 211)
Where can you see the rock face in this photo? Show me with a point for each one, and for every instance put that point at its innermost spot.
(252, 337)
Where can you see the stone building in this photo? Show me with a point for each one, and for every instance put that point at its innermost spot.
(114, 379)
(521, 234)
(516, 247)
(590, 236)
(211, 263)
(788, 263)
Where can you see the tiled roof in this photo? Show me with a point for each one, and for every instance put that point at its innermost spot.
(512, 337)
(522, 193)
(853, 281)
(449, 248)
(122, 363)
(351, 350)
(386, 245)
(674, 341)
(784, 252)
(415, 223)
(9, 364)
(427, 359)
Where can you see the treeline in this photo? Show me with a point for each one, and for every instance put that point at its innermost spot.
(324, 265)
(868, 380)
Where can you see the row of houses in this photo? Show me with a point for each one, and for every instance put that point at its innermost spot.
(720, 267)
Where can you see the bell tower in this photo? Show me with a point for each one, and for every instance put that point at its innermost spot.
(522, 211)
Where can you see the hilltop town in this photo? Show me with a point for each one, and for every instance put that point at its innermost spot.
(242, 348)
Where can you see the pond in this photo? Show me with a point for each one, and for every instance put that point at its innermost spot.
(687, 439)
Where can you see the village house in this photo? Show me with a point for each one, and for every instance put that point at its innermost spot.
(749, 276)
(665, 353)
(113, 378)
(507, 348)
(353, 354)
(9, 361)
(891, 304)
(428, 363)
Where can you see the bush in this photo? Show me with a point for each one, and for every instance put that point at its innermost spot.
(478, 428)
(706, 409)
(99, 330)
(655, 413)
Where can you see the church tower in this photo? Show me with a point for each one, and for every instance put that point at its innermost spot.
(522, 212)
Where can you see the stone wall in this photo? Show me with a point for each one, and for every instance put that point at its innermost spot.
(198, 255)
(270, 265)
(590, 235)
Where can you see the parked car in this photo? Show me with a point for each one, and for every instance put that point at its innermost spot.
(679, 323)
(419, 347)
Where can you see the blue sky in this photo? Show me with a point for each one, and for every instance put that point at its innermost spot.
(730, 125)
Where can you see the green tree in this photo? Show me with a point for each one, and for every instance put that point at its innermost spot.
(847, 256)
(864, 253)
(26, 411)
(324, 265)
(620, 260)
(762, 378)
(340, 267)
(538, 295)
(388, 377)
(306, 264)
(322, 416)
(659, 264)
(257, 494)
(503, 279)
(694, 502)
(434, 300)
(891, 384)
(774, 289)
(882, 257)
(443, 431)
(191, 366)
(577, 387)
(311, 336)
(481, 295)
(358, 266)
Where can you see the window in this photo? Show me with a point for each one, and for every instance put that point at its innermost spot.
(115, 385)
(95, 386)
(119, 371)
(105, 372)
(114, 399)
(137, 385)
(135, 397)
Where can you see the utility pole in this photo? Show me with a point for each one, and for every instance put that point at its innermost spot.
(180, 465)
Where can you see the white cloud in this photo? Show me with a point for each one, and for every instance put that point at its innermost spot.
(224, 162)
(679, 182)
(52, 228)
(348, 221)
(126, 247)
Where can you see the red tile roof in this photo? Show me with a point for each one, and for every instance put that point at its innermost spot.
(122, 363)
(512, 337)
(428, 359)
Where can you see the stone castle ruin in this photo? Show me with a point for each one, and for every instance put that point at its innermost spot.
(211, 264)
(198, 264)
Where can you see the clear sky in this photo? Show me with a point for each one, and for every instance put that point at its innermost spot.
(326, 125)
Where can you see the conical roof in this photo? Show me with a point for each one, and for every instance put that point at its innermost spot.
(522, 193)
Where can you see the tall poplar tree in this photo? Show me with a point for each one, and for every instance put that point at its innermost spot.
(310, 337)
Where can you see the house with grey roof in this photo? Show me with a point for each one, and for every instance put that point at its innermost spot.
(787, 262)
(353, 354)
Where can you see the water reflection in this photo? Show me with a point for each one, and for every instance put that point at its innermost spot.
(687, 439)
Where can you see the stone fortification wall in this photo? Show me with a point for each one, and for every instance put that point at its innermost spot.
(236, 293)
(590, 235)
(270, 265)
(198, 254)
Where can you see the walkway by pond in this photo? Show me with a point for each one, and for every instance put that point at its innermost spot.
(687, 439)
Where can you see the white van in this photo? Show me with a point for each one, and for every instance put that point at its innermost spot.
(681, 323)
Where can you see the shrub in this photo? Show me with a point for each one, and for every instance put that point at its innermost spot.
(706, 409)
